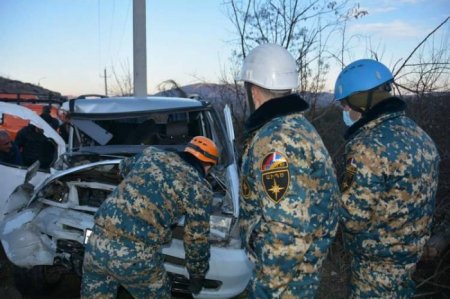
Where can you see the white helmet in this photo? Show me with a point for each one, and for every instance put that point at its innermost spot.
(270, 66)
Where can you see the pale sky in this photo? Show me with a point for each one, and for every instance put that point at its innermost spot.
(64, 45)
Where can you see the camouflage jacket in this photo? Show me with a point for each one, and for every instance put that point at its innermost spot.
(389, 185)
(288, 193)
(159, 187)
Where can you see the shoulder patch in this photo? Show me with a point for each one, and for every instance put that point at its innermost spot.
(350, 171)
(275, 175)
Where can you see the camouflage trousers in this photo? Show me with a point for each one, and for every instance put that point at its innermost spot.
(381, 279)
(300, 286)
(109, 264)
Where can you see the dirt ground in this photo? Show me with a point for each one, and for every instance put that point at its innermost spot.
(432, 277)
(69, 288)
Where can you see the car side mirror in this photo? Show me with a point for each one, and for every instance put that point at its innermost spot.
(32, 170)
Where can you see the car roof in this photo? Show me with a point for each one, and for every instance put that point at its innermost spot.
(80, 108)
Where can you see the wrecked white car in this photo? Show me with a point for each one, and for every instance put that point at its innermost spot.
(46, 226)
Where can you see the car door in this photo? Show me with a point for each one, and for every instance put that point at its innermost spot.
(232, 169)
(15, 175)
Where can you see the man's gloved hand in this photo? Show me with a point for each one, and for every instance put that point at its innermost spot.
(196, 283)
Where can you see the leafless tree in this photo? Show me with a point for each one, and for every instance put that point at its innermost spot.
(122, 80)
(426, 70)
(305, 28)
(352, 13)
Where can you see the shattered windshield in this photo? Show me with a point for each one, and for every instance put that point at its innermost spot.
(169, 130)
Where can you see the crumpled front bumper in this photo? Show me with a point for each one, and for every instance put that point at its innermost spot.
(29, 237)
(228, 275)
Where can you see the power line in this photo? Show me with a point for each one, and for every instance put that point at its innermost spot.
(111, 25)
(99, 60)
(119, 48)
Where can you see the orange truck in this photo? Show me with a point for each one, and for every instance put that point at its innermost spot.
(12, 124)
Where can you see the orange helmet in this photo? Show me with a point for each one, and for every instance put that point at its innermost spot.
(204, 149)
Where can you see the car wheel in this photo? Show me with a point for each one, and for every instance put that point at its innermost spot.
(37, 279)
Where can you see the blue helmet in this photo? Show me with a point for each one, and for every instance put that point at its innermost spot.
(361, 75)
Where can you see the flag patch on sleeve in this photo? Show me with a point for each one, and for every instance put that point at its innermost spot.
(275, 176)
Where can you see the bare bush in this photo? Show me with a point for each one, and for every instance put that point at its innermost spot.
(123, 84)
(305, 28)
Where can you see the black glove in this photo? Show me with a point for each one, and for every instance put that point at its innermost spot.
(196, 283)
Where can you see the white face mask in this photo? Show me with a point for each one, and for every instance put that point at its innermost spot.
(347, 119)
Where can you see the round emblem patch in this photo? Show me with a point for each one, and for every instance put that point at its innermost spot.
(275, 176)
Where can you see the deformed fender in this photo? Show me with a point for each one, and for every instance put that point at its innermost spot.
(66, 224)
(23, 244)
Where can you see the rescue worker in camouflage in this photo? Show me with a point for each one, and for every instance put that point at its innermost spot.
(389, 185)
(136, 220)
(289, 190)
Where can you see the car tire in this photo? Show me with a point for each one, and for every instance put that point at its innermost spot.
(36, 280)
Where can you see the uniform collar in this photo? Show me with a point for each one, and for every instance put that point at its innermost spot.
(277, 107)
(387, 109)
(194, 162)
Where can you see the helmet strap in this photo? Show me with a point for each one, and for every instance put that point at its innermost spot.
(353, 107)
(248, 90)
(369, 100)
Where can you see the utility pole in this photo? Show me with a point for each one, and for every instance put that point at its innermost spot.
(106, 81)
(139, 48)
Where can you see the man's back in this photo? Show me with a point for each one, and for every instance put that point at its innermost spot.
(136, 220)
(152, 196)
(401, 169)
(313, 181)
(289, 209)
(35, 146)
